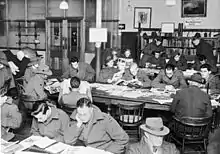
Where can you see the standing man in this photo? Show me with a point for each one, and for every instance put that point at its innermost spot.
(203, 48)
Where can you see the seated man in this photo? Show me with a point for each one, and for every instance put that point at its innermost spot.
(140, 77)
(200, 60)
(156, 60)
(191, 102)
(152, 140)
(70, 99)
(107, 72)
(79, 69)
(11, 117)
(95, 129)
(48, 121)
(179, 61)
(123, 74)
(207, 79)
(169, 78)
(5, 72)
(34, 90)
(127, 57)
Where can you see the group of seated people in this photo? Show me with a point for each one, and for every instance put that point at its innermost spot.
(87, 125)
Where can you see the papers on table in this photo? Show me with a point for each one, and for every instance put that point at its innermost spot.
(58, 147)
(84, 150)
(189, 73)
(44, 142)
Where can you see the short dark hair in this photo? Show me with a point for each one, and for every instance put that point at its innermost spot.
(75, 82)
(202, 57)
(74, 59)
(39, 106)
(208, 66)
(83, 102)
(169, 67)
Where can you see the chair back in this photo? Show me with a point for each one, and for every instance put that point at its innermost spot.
(131, 113)
(5, 87)
(214, 82)
(191, 128)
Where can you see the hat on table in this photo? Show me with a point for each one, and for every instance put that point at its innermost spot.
(155, 126)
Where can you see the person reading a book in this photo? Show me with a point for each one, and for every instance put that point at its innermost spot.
(48, 121)
(95, 129)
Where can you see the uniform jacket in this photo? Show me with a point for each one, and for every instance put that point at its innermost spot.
(29, 72)
(71, 99)
(181, 64)
(204, 48)
(177, 80)
(160, 62)
(213, 81)
(10, 115)
(103, 133)
(143, 148)
(35, 88)
(6, 74)
(106, 73)
(85, 72)
(191, 102)
(53, 127)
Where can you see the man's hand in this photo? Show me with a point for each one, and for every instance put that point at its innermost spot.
(13, 67)
(79, 122)
(109, 81)
(117, 76)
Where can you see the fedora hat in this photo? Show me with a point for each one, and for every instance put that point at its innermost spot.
(34, 60)
(44, 69)
(3, 58)
(197, 36)
(155, 126)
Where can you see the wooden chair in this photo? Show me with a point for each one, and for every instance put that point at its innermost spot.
(190, 131)
(130, 118)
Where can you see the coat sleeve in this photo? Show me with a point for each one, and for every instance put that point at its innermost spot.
(35, 128)
(209, 109)
(175, 102)
(90, 73)
(39, 89)
(156, 83)
(184, 65)
(118, 135)
(103, 77)
(72, 133)
(182, 80)
(66, 74)
(64, 124)
(143, 77)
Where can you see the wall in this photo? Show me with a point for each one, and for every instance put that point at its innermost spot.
(163, 13)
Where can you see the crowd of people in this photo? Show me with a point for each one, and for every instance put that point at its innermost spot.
(87, 125)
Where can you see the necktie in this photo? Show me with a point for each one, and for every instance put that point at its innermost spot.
(155, 149)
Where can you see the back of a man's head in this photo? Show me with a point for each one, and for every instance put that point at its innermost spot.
(75, 82)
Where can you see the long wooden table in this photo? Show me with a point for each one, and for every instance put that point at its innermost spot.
(103, 97)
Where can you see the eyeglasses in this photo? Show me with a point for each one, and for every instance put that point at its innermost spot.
(121, 60)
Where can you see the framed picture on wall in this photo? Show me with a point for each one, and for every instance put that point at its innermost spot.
(142, 15)
(194, 8)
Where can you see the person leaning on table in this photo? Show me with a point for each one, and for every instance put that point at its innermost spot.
(95, 129)
(48, 121)
(152, 140)
(169, 78)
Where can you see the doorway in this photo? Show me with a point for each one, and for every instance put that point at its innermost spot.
(63, 42)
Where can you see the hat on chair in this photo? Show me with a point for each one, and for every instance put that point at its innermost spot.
(155, 126)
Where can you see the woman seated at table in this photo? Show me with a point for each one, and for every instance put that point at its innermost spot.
(179, 61)
(156, 61)
(127, 57)
(34, 90)
(206, 78)
(48, 121)
(107, 72)
(169, 78)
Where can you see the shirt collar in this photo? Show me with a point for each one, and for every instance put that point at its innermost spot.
(54, 115)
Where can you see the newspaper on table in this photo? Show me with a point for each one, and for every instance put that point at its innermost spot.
(84, 150)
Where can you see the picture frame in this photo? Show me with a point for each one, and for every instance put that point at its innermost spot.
(193, 8)
(142, 15)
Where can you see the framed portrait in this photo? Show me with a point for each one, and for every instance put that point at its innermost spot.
(194, 8)
(142, 15)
